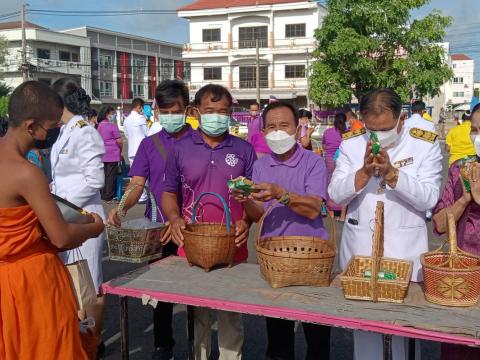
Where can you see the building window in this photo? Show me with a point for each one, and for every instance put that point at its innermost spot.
(43, 53)
(106, 61)
(454, 66)
(211, 35)
(138, 65)
(248, 36)
(64, 55)
(458, 94)
(75, 57)
(458, 80)
(138, 90)
(213, 73)
(295, 30)
(248, 77)
(106, 88)
(294, 71)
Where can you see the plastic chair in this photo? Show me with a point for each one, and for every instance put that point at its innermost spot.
(120, 178)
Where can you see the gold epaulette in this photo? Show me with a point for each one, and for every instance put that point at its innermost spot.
(352, 134)
(423, 135)
(81, 123)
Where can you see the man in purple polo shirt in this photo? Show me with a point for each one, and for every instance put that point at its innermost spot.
(204, 162)
(294, 181)
(171, 97)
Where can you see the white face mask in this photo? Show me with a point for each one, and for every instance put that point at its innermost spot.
(386, 137)
(476, 143)
(280, 141)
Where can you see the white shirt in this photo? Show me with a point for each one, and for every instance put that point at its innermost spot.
(136, 129)
(417, 121)
(155, 128)
(418, 188)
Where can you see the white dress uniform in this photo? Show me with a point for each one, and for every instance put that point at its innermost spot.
(136, 129)
(77, 175)
(417, 121)
(418, 157)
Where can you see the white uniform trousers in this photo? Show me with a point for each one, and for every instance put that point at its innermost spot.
(369, 346)
(144, 196)
(230, 334)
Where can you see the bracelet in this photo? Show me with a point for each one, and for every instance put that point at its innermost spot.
(393, 177)
(285, 199)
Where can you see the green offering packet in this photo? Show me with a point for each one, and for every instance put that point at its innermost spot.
(375, 143)
(463, 164)
(241, 183)
(382, 275)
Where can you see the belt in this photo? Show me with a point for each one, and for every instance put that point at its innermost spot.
(40, 248)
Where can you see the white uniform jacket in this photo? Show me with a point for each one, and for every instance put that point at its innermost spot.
(136, 129)
(78, 176)
(418, 157)
(417, 121)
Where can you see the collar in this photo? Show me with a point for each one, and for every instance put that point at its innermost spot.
(73, 121)
(292, 162)
(198, 139)
(187, 132)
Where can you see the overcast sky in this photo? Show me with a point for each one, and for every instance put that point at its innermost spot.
(464, 35)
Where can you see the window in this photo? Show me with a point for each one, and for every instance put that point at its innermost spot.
(458, 94)
(247, 37)
(248, 77)
(214, 73)
(43, 53)
(106, 61)
(106, 88)
(138, 65)
(295, 30)
(454, 66)
(64, 55)
(74, 57)
(210, 35)
(458, 80)
(294, 71)
(138, 90)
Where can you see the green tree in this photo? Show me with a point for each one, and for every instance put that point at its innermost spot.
(4, 105)
(367, 44)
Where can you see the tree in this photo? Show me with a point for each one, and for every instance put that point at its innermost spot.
(367, 44)
(4, 89)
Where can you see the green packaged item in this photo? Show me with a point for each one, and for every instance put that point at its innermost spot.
(382, 275)
(241, 183)
(464, 170)
(375, 143)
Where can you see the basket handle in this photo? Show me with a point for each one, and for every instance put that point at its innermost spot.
(224, 204)
(377, 248)
(125, 196)
(452, 238)
(332, 234)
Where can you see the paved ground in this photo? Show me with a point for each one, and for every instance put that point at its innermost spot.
(141, 337)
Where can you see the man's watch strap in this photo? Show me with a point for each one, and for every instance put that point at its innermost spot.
(285, 199)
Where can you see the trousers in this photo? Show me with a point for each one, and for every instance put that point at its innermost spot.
(369, 346)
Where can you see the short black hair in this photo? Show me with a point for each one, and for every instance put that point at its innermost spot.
(92, 113)
(168, 92)
(75, 99)
(304, 113)
(256, 104)
(418, 106)
(340, 122)
(216, 92)
(137, 102)
(466, 117)
(33, 100)
(279, 105)
(378, 100)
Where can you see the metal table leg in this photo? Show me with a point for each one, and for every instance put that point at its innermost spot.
(124, 348)
(190, 332)
(411, 349)
(387, 347)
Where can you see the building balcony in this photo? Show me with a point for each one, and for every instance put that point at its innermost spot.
(58, 66)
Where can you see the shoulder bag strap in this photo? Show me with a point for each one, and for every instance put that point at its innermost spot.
(159, 146)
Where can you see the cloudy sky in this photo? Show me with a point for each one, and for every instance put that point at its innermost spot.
(464, 35)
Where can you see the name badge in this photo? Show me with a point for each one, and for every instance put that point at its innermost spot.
(64, 151)
(404, 162)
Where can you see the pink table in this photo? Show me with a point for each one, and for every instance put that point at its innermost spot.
(241, 289)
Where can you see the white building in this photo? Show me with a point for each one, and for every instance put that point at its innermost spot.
(223, 38)
(460, 89)
(50, 55)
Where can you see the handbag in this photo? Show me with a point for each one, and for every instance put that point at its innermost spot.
(82, 282)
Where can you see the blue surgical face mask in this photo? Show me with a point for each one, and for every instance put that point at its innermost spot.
(214, 124)
(172, 123)
(112, 118)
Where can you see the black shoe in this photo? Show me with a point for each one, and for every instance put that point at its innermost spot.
(162, 354)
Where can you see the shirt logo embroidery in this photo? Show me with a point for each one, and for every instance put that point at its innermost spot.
(231, 159)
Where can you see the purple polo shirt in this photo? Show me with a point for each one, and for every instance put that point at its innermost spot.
(194, 167)
(110, 134)
(148, 163)
(304, 174)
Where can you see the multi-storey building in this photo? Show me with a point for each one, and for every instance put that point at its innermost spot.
(460, 89)
(223, 40)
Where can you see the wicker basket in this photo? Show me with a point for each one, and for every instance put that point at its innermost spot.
(451, 278)
(295, 260)
(209, 244)
(356, 286)
(136, 240)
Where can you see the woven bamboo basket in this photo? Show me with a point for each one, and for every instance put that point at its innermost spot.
(136, 240)
(451, 278)
(357, 287)
(209, 244)
(295, 260)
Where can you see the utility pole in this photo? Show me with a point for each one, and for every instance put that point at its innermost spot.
(24, 65)
(257, 71)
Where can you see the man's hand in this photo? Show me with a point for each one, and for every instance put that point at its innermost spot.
(241, 232)
(474, 182)
(383, 163)
(113, 218)
(369, 161)
(99, 225)
(266, 192)
(167, 235)
(239, 195)
(176, 227)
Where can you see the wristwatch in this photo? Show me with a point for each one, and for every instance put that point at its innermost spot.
(285, 199)
(391, 177)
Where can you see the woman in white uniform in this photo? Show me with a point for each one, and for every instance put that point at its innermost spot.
(78, 176)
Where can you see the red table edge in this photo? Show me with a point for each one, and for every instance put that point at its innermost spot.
(286, 313)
